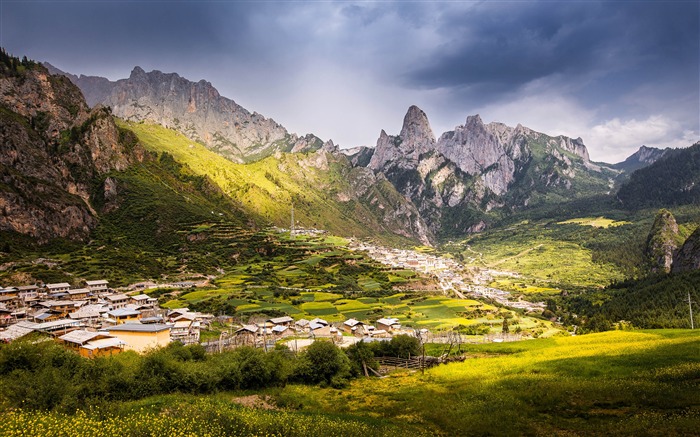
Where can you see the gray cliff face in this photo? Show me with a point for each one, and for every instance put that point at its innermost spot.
(195, 109)
(477, 151)
(688, 257)
(404, 150)
(359, 156)
(95, 89)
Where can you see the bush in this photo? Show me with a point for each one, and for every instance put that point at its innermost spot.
(358, 354)
(324, 363)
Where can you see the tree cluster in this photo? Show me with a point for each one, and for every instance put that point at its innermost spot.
(44, 375)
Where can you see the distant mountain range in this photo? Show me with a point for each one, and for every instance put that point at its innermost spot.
(641, 158)
(413, 184)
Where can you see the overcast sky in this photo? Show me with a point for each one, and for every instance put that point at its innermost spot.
(618, 74)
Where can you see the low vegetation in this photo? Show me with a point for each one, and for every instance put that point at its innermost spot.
(616, 383)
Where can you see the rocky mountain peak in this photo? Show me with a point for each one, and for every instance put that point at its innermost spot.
(474, 121)
(137, 72)
(416, 138)
(475, 148)
(663, 241)
(643, 157)
(195, 109)
(416, 127)
(574, 146)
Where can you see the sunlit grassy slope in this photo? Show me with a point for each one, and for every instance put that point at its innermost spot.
(318, 185)
(614, 383)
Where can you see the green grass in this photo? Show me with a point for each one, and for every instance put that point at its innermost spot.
(615, 383)
(620, 383)
(597, 222)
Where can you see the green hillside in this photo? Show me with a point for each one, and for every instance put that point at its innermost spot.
(672, 180)
(659, 301)
(320, 186)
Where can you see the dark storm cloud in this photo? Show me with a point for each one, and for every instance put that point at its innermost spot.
(111, 32)
(618, 73)
(504, 46)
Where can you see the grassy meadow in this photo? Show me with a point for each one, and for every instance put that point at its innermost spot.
(615, 383)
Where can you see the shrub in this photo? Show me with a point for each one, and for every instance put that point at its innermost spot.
(323, 362)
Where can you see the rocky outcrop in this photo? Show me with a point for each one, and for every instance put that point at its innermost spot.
(663, 242)
(197, 110)
(477, 151)
(95, 89)
(643, 157)
(477, 168)
(688, 257)
(52, 150)
(359, 156)
(404, 150)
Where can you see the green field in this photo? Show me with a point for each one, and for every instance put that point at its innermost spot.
(597, 222)
(615, 383)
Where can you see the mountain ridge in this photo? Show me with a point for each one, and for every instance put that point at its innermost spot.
(197, 110)
(460, 182)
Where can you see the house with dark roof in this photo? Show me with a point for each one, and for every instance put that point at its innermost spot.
(124, 315)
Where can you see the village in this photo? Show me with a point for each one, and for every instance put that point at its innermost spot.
(449, 273)
(96, 320)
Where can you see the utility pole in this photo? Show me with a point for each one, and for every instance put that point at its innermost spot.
(291, 228)
(690, 306)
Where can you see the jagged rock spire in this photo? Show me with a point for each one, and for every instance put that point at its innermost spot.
(416, 138)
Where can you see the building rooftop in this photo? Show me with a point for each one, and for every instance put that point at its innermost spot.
(114, 297)
(13, 332)
(104, 343)
(278, 320)
(27, 287)
(140, 297)
(352, 322)
(388, 321)
(57, 324)
(123, 312)
(249, 328)
(138, 327)
(80, 336)
(318, 320)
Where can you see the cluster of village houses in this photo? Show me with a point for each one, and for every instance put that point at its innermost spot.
(96, 320)
(448, 274)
